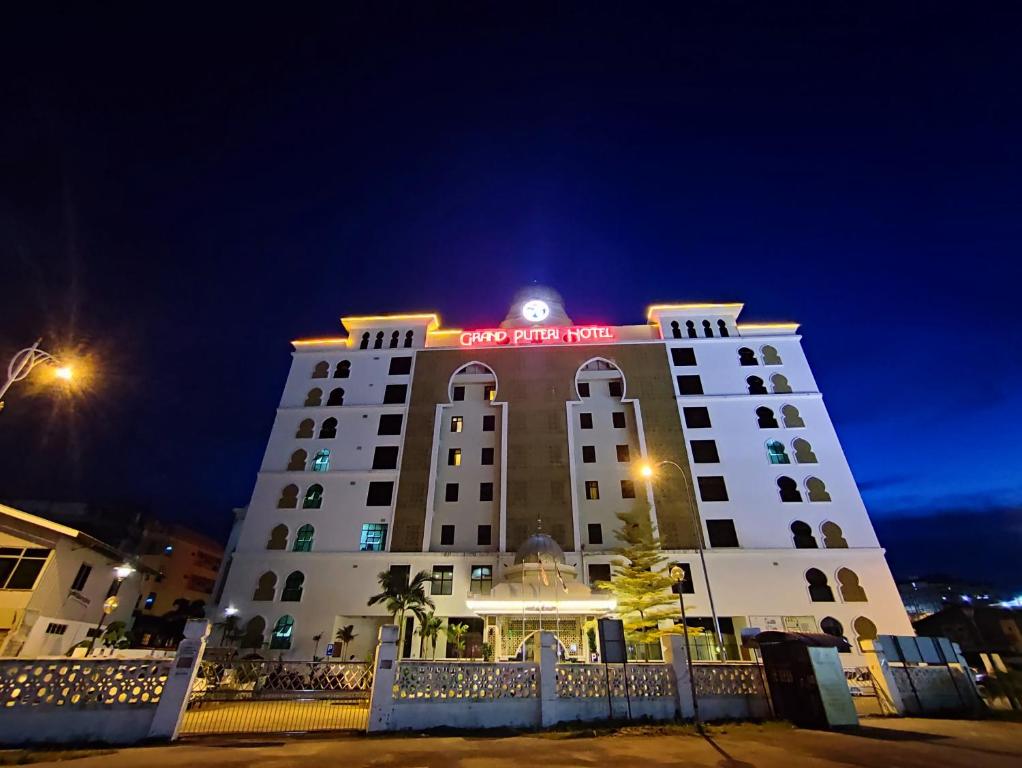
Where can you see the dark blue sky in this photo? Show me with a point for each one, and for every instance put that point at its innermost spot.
(183, 191)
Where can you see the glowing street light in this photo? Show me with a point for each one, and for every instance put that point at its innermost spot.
(648, 471)
(23, 362)
(678, 577)
(123, 571)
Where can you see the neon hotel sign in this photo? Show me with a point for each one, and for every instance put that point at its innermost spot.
(515, 337)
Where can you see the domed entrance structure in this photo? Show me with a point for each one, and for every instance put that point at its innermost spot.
(540, 591)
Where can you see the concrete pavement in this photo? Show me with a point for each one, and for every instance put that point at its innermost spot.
(893, 743)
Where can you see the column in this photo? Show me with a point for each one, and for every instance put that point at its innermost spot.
(381, 705)
(174, 700)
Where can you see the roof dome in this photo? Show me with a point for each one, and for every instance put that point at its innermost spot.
(536, 305)
(539, 546)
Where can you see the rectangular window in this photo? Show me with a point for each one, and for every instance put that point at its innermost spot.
(443, 580)
(489, 423)
(623, 454)
(457, 423)
(451, 492)
(149, 601)
(400, 366)
(687, 587)
(482, 579)
(598, 572)
(618, 419)
(595, 533)
(483, 536)
(583, 389)
(486, 459)
(53, 628)
(454, 457)
(81, 577)
(592, 490)
(722, 533)
(627, 489)
(615, 388)
(588, 454)
(380, 494)
(712, 488)
(446, 535)
(385, 457)
(485, 491)
(458, 394)
(690, 385)
(585, 420)
(697, 418)
(683, 356)
(489, 393)
(704, 451)
(395, 393)
(401, 573)
(390, 424)
(20, 568)
(374, 537)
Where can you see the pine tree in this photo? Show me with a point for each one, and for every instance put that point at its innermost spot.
(639, 582)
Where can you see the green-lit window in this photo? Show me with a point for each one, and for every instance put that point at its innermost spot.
(322, 461)
(303, 539)
(282, 633)
(374, 537)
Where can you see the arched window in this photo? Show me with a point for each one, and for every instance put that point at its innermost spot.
(776, 453)
(864, 630)
(288, 497)
(292, 592)
(819, 589)
(378, 341)
(313, 497)
(297, 463)
(266, 587)
(817, 489)
(278, 538)
(802, 535)
(833, 538)
(747, 357)
(831, 626)
(770, 356)
(321, 463)
(364, 344)
(851, 590)
(336, 397)
(765, 418)
(792, 418)
(722, 329)
(395, 337)
(252, 636)
(315, 397)
(780, 384)
(303, 539)
(675, 329)
(707, 329)
(306, 428)
(756, 385)
(803, 451)
(328, 429)
(409, 335)
(690, 328)
(321, 370)
(280, 640)
(788, 489)
(343, 369)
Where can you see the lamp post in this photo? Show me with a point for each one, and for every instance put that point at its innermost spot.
(121, 572)
(648, 471)
(678, 576)
(23, 362)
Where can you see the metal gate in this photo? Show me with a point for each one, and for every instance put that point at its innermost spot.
(259, 696)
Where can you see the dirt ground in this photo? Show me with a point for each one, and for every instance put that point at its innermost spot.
(894, 743)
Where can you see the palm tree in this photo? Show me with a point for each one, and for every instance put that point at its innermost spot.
(456, 635)
(400, 596)
(344, 636)
(430, 629)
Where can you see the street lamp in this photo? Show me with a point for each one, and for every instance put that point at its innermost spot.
(121, 572)
(648, 471)
(678, 577)
(23, 362)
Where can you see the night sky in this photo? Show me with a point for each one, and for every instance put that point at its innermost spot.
(184, 189)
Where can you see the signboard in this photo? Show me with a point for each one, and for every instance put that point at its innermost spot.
(767, 623)
(522, 337)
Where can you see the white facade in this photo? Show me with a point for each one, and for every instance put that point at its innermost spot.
(761, 582)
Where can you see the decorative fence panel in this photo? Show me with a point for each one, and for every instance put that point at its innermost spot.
(261, 696)
(441, 681)
(731, 689)
(592, 680)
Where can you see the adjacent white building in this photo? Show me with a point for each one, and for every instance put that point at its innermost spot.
(403, 445)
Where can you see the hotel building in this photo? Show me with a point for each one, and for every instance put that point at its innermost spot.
(496, 460)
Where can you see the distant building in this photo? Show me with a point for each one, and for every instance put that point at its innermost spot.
(979, 630)
(54, 580)
(931, 594)
(186, 564)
